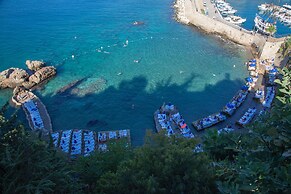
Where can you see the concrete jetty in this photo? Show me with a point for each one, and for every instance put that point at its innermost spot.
(216, 25)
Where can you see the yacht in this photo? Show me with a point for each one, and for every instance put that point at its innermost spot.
(264, 7)
(262, 26)
(235, 20)
(287, 6)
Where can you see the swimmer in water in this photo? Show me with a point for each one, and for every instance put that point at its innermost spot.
(73, 56)
(137, 61)
(125, 44)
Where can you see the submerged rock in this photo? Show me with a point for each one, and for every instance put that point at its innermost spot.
(95, 122)
(34, 65)
(70, 86)
(91, 85)
(12, 77)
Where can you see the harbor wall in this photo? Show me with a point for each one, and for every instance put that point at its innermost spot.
(210, 25)
(236, 34)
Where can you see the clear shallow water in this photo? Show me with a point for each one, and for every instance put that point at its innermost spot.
(249, 8)
(177, 63)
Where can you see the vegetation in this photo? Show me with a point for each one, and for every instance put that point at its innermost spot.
(30, 165)
(254, 162)
(272, 29)
(285, 48)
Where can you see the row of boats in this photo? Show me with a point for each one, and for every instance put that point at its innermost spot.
(282, 14)
(83, 142)
(228, 12)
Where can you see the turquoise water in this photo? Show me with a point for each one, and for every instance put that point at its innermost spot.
(177, 63)
(249, 8)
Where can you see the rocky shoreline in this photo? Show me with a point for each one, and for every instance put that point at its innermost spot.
(23, 81)
(180, 13)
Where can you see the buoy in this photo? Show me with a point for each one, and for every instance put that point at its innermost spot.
(233, 65)
(73, 56)
(213, 75)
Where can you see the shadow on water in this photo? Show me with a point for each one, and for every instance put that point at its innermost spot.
(131, 105)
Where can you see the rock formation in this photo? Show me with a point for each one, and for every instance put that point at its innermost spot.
(40, 76)
(12, 77)
(34, 65)
(20, 80)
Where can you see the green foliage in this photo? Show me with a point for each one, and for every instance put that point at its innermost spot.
(28, 164)
(162, 165)
(285, 48)
(90, 169)
(272, 29)
(259, 161)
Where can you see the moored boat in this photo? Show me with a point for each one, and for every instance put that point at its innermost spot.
(264, 27)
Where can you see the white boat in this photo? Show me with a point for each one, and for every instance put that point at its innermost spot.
(262, 26)
(287, 6)
(264, 7)
(236, 20)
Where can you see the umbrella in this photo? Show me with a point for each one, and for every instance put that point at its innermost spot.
(229, 105)
(183, 126)
(273, 70)
(249, 79)
(245, 87)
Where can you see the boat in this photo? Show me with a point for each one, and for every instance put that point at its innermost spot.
(262, 26)
(168, 119)
(264, 7)
(209, 121)
(287, 6)
(237, 20)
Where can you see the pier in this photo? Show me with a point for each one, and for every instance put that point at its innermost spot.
(213, 23)
(47, 124)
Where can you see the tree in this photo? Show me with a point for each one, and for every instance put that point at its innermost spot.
(162, 165)
(30, 165)
(271, 29)
(262, 161)
(90, 169)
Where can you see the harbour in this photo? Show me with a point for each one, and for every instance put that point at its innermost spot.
(136, 89)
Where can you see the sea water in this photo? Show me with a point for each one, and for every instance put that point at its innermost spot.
(249, 8)
(125, 72)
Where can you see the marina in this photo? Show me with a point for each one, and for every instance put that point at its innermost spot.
(281, 14)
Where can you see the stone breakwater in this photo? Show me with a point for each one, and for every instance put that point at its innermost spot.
(180, 13)
(186, 12)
